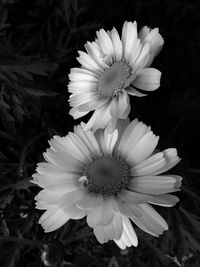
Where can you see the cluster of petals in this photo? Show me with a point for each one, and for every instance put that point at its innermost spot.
(65, 195)
(112, 69)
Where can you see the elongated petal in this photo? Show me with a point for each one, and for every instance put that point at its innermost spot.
(134, 198)
(53, 219)
(117, 44)
(150, 222)
(110, 232)
(52, 197)
(94, 52)
(130, 42)
(171, 159)
(165, 200)
(106, 45)
(88, 62)
(119, 105)
(88, 138)
(149, 165)
(76, 114)
(54, 181)
(155, 184)
(128, 237)
(132, 135)
(132, 91)
(100, 118)
(109, 140)
(143, 149)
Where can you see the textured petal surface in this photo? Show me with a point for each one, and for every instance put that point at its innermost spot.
(165, 200)
(102, 215)
(147, 79)
(150, 221)
(156, 184)
(128, 237)
(111, 231)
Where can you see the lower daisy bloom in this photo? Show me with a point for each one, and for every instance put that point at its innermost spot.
(112, 178)
(113, 69)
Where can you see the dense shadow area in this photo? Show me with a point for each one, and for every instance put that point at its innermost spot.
(38, 45)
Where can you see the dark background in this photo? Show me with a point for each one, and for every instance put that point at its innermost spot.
(38, 46)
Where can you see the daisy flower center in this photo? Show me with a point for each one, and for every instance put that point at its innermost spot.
(113, 79)
(107, 175)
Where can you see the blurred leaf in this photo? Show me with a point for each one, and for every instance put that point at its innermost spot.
(9, 253)
(25, 67)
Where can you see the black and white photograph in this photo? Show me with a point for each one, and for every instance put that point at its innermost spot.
(100, 133)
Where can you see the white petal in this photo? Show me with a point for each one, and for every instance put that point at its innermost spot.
(88, 138)
(93, 104)
(117, 44)
(127, 209)
(54, 181)
(165, 200)
(130, 233)
(154, 39)
(149, 165)
(142, 58)
(134, 198)
(75, 113)
(80, 99)
(94, 52)
(128, 132)
(88, 62)
(100, 118)
(52, 197)
(147, 79)
(74, 212)
(133, 137)
(89, 201)
(131, 43)
(46, 167)
(171, 159)
(82, 87)
(110, 139)
(110, 232)
(45, 206)
(53, 219)
(143, 149)
(132, 91)
(128, 237)
(119, 106)
(62, 155)
(121, 125)
(150, 222)
(155, 184)
(71, 198)
(81, 77)
(83, 71)
(106, 45)
(102, 215)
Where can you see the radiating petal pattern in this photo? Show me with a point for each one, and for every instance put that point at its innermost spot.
(109, 177)
(111, 70)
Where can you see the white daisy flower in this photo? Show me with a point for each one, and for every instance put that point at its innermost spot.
(109, 177)
(112, 68)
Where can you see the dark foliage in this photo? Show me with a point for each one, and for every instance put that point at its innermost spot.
(38, 45)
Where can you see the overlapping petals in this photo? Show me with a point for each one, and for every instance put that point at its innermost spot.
(65, 195)
(136, 52)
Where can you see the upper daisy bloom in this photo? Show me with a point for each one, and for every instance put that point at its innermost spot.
(110, 177)
(111, 70)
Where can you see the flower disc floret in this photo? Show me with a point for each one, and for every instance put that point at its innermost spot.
(107, 175)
